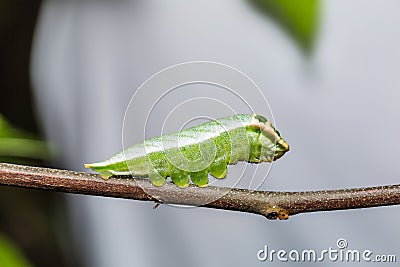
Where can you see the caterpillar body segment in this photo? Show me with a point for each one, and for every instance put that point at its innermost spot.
(193, 153)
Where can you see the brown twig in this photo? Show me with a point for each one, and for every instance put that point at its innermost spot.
(267, 203)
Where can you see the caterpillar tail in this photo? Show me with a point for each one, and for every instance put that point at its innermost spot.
(105, 174)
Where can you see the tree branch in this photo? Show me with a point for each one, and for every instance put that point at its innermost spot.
(267, 203)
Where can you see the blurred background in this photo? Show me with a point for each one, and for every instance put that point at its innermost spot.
(68, 69)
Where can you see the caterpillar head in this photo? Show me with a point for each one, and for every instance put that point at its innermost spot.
(273, 146)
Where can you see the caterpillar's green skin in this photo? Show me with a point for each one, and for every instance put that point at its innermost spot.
(197, 151)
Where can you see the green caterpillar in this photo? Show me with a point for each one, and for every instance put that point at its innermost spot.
(197, 151)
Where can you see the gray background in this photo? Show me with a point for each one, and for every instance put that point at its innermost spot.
(338, 110)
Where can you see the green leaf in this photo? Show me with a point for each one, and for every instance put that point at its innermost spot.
(298, 17)
(17, 143)
(10, 255)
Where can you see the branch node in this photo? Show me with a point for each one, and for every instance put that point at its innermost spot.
(275, 212)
